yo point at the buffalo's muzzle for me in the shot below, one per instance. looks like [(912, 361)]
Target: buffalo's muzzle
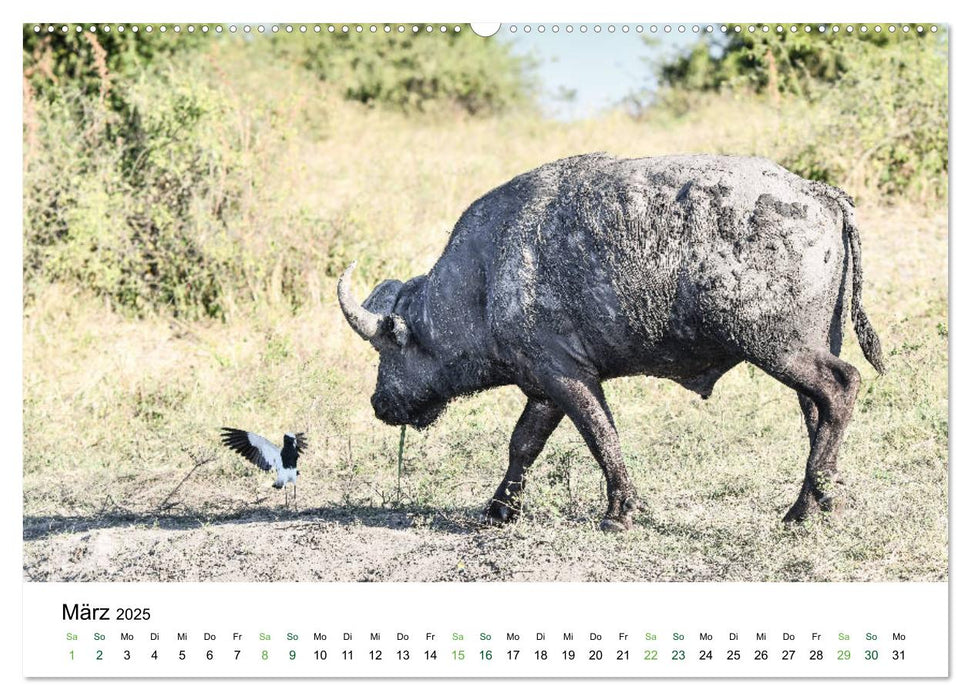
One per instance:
[(385, 410)]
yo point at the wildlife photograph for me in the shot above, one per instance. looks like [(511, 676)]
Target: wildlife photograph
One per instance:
[(450, 302)]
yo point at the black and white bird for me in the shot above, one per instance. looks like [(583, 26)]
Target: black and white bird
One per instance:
[(267, 456)]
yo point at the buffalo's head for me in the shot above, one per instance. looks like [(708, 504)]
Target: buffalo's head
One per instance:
[(411, 388)]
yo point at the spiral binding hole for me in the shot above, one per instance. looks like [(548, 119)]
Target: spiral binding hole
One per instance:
[(513, 28)]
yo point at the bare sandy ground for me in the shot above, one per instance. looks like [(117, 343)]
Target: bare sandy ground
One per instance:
[(384, 544), (328, 545)]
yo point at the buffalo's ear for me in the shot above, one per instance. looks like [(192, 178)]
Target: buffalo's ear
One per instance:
[(410, 304), (398, 330), (382, 299)]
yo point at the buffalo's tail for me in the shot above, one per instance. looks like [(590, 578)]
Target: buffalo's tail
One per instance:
[(869, 341)]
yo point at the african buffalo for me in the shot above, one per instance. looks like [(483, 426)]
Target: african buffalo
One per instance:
[(594, 267)]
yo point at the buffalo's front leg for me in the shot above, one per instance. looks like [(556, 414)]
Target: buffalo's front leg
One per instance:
[(582, 399), (536, 424)]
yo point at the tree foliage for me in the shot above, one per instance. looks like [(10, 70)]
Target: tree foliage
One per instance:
[(145, 153), (414, 70), (788, 61), (90, 61), (883, 126), (879, 100)]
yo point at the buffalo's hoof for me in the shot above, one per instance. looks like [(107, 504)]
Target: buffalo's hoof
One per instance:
[(798, 513), (500, 513), (624, 521), (830, 505), (616, 524), (795, 516)]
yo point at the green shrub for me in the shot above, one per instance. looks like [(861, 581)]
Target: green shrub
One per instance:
[(791, 61), (883, 127), (129, 199), (864, 111), (417, 70), (90, 61), (161, 178)]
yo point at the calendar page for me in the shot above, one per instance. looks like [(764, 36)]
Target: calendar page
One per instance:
[(601, 349)]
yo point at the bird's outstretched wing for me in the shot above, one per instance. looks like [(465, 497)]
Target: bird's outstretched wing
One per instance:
[(301, 442), (256, 448)]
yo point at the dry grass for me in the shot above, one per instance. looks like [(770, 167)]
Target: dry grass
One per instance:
[(118, 410)]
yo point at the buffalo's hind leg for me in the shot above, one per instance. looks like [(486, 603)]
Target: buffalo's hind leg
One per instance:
[(535, 425), (810, 414), (805, 499), (827, 388)]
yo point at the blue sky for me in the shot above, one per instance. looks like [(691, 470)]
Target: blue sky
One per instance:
[(602, 67)]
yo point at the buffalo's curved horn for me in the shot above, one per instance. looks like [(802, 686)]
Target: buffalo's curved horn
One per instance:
[(365, 323)]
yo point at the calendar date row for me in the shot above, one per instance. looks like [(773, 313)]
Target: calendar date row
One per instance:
[(459, 655)]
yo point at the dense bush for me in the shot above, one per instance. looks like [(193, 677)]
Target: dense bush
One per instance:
[(417, 70), (156, 171), (877, 102), (790, 61), (129, 200), (883, 127), (90, 62)]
